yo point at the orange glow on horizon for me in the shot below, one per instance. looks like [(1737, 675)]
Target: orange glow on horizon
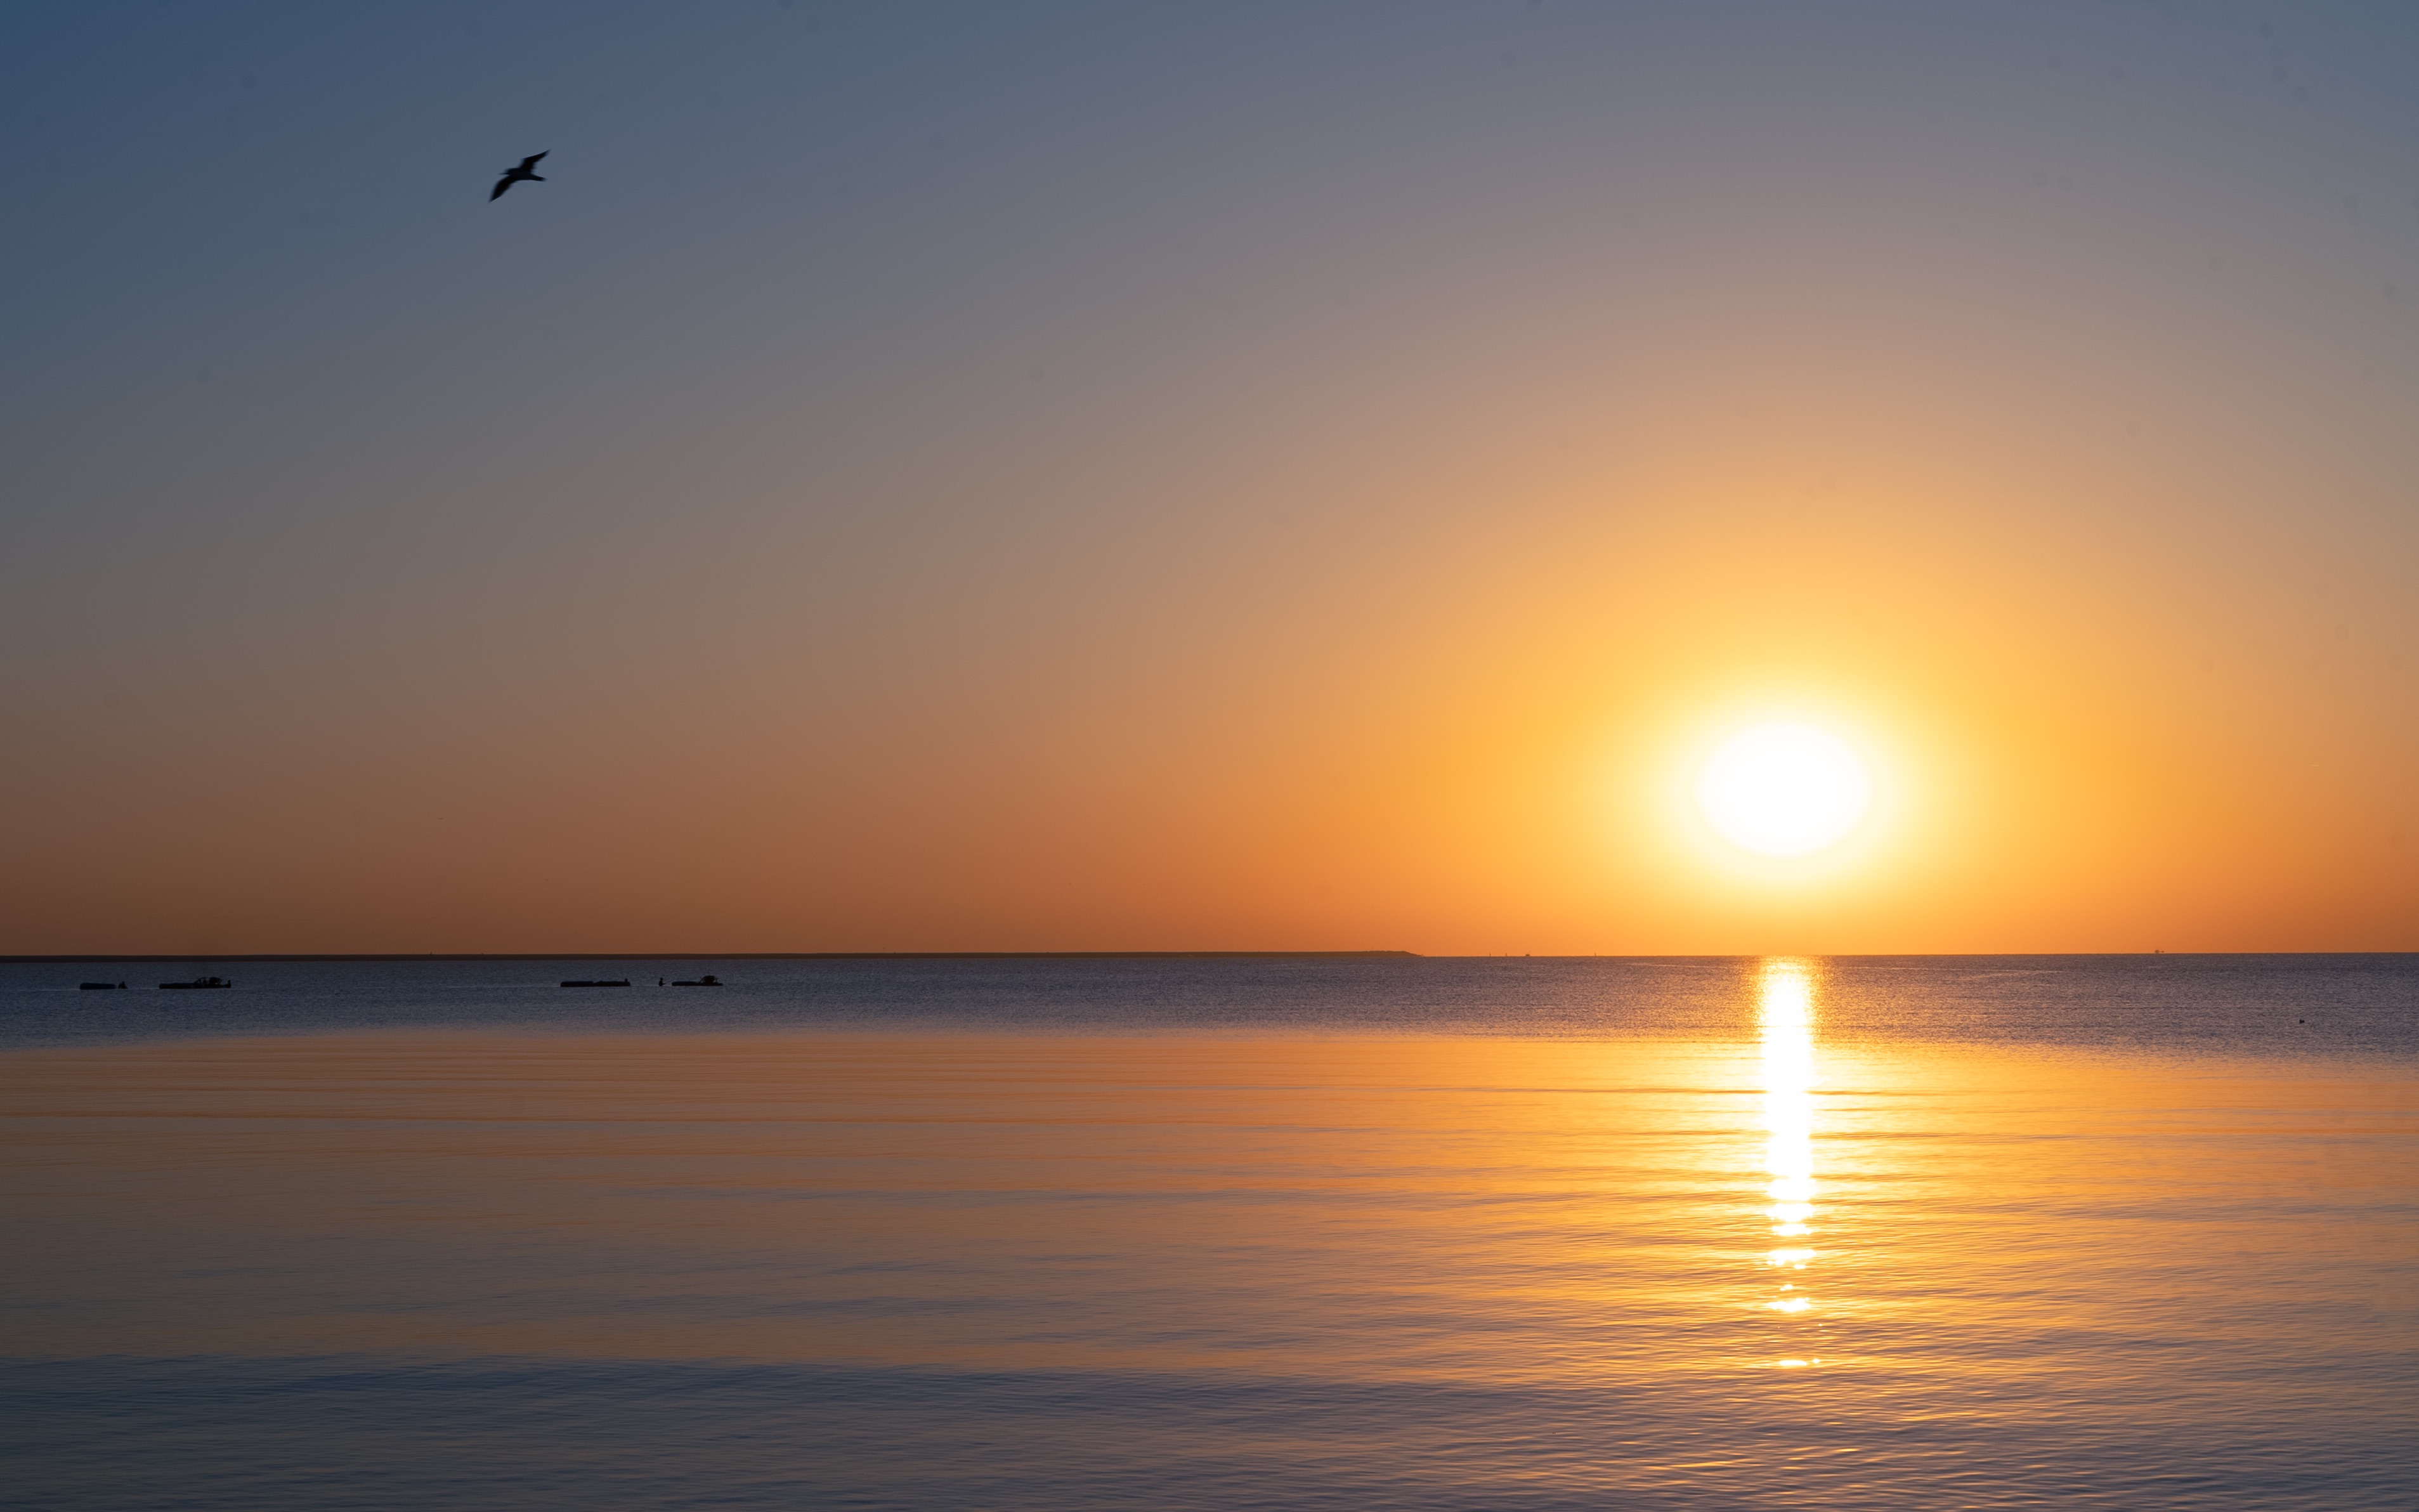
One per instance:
[(1473, 732)]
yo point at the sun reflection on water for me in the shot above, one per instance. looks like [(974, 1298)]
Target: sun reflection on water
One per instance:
[(1785, 1016)]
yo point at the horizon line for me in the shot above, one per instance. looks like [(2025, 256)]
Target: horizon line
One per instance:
[(1130, 955)]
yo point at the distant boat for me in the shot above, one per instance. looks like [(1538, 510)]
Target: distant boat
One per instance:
[(701, 982), (624, 982), (100, 986), (198, 981)]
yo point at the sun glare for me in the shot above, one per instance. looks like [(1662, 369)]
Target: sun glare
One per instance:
[(1784, 790)]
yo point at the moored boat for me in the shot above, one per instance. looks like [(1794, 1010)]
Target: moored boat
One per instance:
[(707, 980), (624, 982), (198, 981)]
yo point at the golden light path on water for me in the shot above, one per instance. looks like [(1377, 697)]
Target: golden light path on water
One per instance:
[(1785, 1016)]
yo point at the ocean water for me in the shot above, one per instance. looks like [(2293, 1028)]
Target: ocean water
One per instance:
[(1429, 1234)]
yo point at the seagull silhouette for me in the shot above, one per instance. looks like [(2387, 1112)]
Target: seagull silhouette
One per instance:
[(514, 176)]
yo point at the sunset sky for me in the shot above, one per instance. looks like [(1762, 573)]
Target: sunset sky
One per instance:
[(1222, 476)]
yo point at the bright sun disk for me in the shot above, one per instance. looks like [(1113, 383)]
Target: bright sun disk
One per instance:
[(1784, 790)]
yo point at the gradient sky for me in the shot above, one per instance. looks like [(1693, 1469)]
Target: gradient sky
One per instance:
[(1060, 476)]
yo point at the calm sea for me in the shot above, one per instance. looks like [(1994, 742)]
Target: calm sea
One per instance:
[(2074, 1232)]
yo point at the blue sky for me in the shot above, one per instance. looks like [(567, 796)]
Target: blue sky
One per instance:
[(954, 371)]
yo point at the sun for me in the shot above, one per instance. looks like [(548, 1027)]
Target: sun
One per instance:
[(1784, 790)]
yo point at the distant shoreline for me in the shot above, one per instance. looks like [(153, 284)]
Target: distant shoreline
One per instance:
[(758, 955)]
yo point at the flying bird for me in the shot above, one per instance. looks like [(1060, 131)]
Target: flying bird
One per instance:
[(514, 175)]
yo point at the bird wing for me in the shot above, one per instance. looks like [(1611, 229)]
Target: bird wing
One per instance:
[(501, 184), (531, 162)]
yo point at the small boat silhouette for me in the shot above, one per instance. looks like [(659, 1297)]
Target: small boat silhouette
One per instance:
[(708, 980), (198, 981), (99, 986), (624, 982)]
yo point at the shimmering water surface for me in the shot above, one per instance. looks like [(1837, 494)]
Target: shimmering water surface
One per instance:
[(1423, 1234)]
